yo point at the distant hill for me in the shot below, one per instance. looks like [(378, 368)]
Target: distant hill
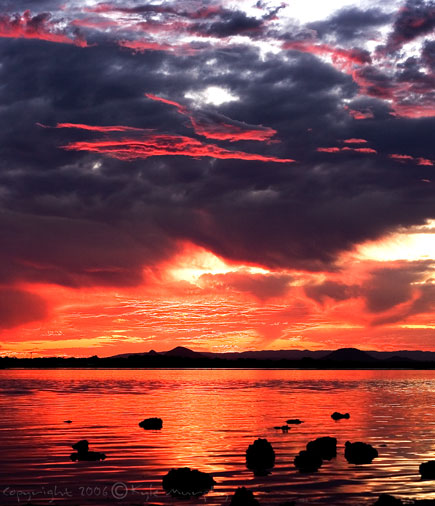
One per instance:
[(181, 351), (350, 355)]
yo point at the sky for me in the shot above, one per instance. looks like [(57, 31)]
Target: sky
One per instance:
[(222, 175)]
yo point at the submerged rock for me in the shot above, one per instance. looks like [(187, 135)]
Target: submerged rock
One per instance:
[(308, 462), (67, 421), (260, 456), (243, 497), (338, 416), (84, 454), (359, 453), (151, 424), (186, 483), (294, 421), (427, 470), (325, 447)]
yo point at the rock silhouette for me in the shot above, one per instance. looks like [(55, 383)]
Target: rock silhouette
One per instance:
[(243, 497), (338, 416), (325, 447), (83, 452), (67, 421), (151, 424), (186, 483), (388, 500), (359, 453), (260, 456), (294, 421), (427, 470), (284, 428), (308, 462)]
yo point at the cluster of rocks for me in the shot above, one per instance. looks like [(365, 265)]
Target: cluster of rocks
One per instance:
[(311, 459), (187, 483)]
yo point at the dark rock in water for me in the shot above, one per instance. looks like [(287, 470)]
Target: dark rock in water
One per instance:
[(186, 483), (294, 421), (243, 497), (339, 416), (307, 462), (427, 470), (151, 423), (84, 454), (359, 453), (260, 456), (88, 456), (82, 446), (325, 447), (388, 500), (67, 421)]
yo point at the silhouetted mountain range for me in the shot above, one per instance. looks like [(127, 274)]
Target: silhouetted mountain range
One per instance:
[(340, 355), (181, 357)]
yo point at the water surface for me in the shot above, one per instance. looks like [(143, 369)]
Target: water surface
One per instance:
[(210, 418)]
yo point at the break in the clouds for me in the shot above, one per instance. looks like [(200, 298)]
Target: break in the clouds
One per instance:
[(276, 140)]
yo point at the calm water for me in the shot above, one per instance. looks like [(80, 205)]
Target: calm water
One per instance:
[(210, 418)]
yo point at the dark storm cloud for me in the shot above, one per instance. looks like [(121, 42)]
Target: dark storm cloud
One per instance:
[(331, 290), (391, 286), (415, 19), (19, 306), (229, 23), (404, 291), (351, 23), (263, 287), (81, 219)]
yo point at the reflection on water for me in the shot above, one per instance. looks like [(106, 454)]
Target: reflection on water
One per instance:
[(210, 418)]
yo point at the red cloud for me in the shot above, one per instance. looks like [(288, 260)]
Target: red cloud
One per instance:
[(36, 27), (218, 126), (160, 145), (346, 148), (95, 128), (424, 161), (364, 150), (354, 141), (345, 59), (329, 150), (143, 45), (367, 114), (403, 158)]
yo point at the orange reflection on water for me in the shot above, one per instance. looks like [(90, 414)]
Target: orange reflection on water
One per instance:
[(210, 418)]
